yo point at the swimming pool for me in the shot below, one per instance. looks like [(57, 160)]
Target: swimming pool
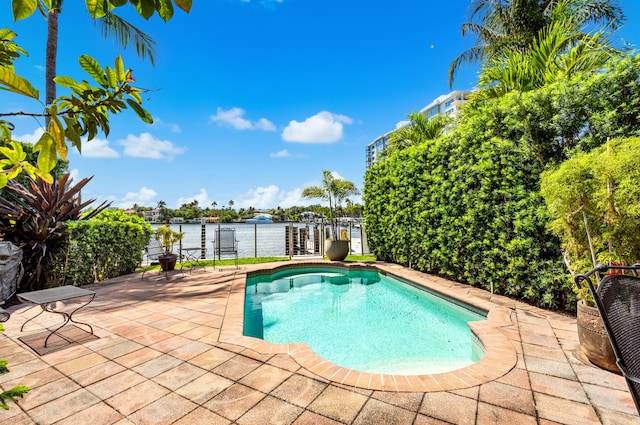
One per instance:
[(362, 319)]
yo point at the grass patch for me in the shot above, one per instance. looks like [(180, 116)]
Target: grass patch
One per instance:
[(259, 260)]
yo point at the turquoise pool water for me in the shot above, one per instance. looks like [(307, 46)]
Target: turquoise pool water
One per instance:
[(362, 320)]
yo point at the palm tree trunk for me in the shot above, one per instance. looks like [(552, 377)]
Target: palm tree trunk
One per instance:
[(51, 54)]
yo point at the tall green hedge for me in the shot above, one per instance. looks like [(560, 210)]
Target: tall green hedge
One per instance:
[(468, 205), (109, 246), (469, 210)]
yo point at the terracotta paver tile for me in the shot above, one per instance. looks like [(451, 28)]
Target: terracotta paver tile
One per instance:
[(48, 392), (449, 407), (200, 332), (265, 378), (507, 396), (169, 344), (98, 414), (204, 388), (97, 373), (284, 361), (490, 414), (550, 367), (270, 410), (409, 401), (23, 369), (166, 410), (62, 407), (612, 417), (114, 384), (338, 404), (594, 375), (299, 390), (178, 376), (120, 349), (35, 379), (544, 352), (558, 387), (190, 350), (138, 357), (237, 367), (377, 412), (132, 399), (155, 367), (202, 416), (425, 420), (565, 411), (212, 358), (609, 398), (516, 377), (235, 401)]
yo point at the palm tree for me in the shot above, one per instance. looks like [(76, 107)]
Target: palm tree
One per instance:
[(111, 26), (512, 25), (560, 50), (334, 190), (420, 129)]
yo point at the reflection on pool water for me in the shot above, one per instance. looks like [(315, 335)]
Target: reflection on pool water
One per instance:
[(362, 319)]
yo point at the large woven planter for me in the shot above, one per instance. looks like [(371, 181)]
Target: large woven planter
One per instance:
[(593, 337), (168, 262), (336, 250)]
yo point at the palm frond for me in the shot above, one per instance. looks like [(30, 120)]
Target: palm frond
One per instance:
[(112, 25)]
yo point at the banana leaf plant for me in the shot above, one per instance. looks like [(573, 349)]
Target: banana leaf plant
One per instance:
[(34, 218)]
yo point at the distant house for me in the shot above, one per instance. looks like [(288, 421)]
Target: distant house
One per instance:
[(152, 216)]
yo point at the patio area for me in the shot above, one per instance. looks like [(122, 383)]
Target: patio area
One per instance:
[(171, 352)]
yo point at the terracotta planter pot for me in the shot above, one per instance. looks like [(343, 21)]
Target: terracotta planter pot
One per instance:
[(336, 250), (168, 262), (593, 337)]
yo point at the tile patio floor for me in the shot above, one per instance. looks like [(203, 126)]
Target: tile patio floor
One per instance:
[(170, 352)]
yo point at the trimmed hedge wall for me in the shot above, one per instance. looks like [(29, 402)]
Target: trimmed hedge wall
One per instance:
[(469, 210), (99, 250)]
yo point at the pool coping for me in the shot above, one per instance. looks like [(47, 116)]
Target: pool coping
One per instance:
[(500, 355)]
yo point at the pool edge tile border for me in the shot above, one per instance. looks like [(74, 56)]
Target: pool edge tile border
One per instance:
[(499, 358)]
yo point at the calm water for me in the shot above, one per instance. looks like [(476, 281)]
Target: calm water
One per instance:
[(254, 240), (361, 320)]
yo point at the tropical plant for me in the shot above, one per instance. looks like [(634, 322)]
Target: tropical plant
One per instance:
[(559, 51), (167, 237), (87, 109), (334, 190), (504, 26), (419, 129), (35, 217), (593, 199)]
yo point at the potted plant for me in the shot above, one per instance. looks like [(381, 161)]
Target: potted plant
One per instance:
[(334, 190), (166, 236)]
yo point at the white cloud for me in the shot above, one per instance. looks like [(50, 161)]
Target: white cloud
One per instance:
[(157, 122), (260, 197), (281, 154), (30, 138), (324, 127), (98, 148), (271, 197), (147, 146), (144, 197), (202, 197), (235, 118)]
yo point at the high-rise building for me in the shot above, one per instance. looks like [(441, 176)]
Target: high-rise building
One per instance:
[(448, 104)]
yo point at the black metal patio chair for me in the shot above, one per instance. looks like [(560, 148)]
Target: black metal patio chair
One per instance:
[(225, 243), (617, 298)]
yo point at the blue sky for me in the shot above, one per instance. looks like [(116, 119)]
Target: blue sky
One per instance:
[(253, 99)]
